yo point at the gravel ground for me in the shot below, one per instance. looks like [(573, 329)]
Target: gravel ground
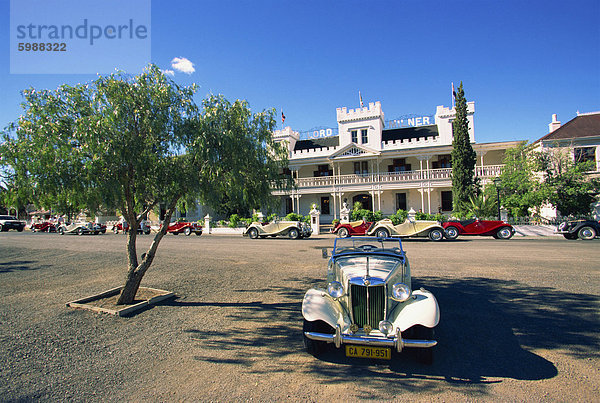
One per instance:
[(519, 321)]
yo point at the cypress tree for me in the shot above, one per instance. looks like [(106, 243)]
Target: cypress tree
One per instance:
[(463, 155)]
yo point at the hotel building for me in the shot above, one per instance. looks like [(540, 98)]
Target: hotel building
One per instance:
[(388, 165)]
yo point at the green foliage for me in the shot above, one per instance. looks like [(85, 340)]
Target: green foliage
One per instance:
[(128, 143), (520, 190), (430, 217), (335, 222), (482, 206), (399, 217), (234, 220), (271, 217), (463, 155), (357, 206), (294, 217), (567, 187), (368, 215)]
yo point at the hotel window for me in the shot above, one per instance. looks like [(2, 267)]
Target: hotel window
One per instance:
[(325, 205), (400, 201), (323, 170), (399, 165), (447, 200), (354, 136), (364, 136), (361, 168), (288, 206), (584, 154), (444, 161)]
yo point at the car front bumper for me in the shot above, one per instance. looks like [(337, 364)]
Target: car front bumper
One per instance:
[(396, 342)]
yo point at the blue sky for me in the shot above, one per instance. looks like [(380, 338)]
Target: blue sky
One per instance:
[(520, 61)]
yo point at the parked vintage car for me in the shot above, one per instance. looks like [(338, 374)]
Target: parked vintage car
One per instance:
[(409, 228), (369, 305), (79, 228), (291, 229), (497, 229), (8, 222), (184, 227), (123, 226), (45, 226), (583, 229), (353, 228)]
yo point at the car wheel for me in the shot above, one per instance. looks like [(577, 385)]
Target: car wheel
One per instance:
[(504, 233), (382, 233), (175, 233), (451, 232), (586, 233), (570, 237), (343, 233), (253, 233), (79, 231), (198, 233), (315, 347), (61, 231), (115, 230), (187, 231), (436, 234), (418, 332), (147, 231), (294, 234), (1, 229)]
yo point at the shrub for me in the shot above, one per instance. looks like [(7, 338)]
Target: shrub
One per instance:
[(234, 221), (399, 217)]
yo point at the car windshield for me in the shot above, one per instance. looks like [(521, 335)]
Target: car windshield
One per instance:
[(368, 245)]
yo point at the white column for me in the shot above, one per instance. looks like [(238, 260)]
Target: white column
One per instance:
[(334, 208), (428, 199)]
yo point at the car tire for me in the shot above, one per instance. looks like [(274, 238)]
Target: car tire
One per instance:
[(343, 232), (61, 231), (175, 233), (115, 230), (315, 347), (451, 232), (436, 235), (504, 233), (187, 231), (570, 237), (294, 233), (79, 231), (422, 355), (253, 233), (198, 233), (586, 233), (1, 229), (382, 233), (147, 231)]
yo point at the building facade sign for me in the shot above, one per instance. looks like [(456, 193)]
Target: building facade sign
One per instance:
[(413, 121), (318, 133)]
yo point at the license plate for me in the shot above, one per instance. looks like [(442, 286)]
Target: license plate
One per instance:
[(380, 353)]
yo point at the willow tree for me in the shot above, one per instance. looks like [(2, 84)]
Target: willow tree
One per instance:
[(463, 155), (131, 142)]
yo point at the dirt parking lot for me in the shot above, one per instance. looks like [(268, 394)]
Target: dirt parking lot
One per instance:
[(519, 321)]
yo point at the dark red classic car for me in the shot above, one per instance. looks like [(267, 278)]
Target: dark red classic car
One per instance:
[(184, 227), (45, 226), (496, 229), (123, 226), (354, 228)]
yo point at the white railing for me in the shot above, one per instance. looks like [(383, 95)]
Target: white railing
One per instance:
[(488, 171)]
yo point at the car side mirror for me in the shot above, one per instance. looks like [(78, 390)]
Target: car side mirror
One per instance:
[(324, 253)]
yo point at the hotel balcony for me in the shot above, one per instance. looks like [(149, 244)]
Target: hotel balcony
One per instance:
[(394, 180)]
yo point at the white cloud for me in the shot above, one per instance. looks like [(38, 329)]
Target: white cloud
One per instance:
[(168, 73), (183, 65)]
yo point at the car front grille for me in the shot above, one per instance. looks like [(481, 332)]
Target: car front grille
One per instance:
[(368, 304)]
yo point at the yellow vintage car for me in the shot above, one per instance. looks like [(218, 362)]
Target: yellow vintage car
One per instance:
[(409, 228), (291, 229)]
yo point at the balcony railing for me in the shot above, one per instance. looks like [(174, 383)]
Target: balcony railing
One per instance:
[(488, 171)]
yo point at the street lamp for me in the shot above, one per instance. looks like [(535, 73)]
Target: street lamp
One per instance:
[(497, 185)]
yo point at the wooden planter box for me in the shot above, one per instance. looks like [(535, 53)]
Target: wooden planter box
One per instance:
[(106, 301)]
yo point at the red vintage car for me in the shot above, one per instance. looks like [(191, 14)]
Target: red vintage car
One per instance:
[(45, 226), (184, 227), (354, 228), (123, 226), (497, 229)]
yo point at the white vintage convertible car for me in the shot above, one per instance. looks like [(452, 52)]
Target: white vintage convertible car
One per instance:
[(369, 306), (291, 229), (409, 228)]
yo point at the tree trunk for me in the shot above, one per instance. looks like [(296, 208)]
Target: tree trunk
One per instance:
[(136, 271)]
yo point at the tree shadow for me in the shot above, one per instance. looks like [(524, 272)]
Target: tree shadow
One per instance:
[(20, 265), (488, 330)]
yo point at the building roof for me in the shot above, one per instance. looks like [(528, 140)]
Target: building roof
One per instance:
[(406, 133), (332, 141), (585, 125)]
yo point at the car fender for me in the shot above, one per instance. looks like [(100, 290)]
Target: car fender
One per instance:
[(380, 225), (318, 305), (421, 309)]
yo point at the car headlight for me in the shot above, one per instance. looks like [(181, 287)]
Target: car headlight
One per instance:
[(386, 327), (400, 292), (335, 289)]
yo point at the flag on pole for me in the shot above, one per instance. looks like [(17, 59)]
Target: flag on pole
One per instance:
[(360, 98), (282, 117), (453, 94)]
